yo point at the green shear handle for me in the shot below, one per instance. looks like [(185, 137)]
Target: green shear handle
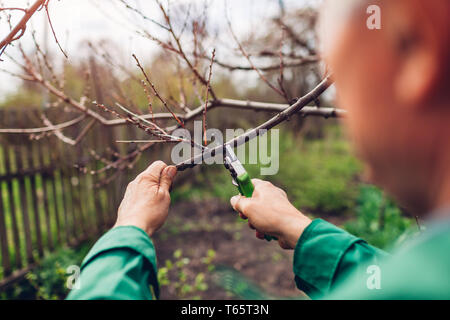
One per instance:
[(246, 189)]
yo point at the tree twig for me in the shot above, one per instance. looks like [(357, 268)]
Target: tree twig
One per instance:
[(156, 92), (205, 139)]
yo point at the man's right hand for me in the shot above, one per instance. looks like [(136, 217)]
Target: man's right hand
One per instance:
[(147, 199), (270, 212)]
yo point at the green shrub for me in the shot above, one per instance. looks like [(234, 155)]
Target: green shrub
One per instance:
[(176, 275), (48, 280), (379, 221), (319, 175)]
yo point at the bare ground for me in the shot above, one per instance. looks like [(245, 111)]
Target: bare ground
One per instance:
[(197, 227)]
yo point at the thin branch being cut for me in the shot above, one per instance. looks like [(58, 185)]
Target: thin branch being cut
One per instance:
[(279, 118)]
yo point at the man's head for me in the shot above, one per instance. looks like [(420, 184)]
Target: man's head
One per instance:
[(394, 83)]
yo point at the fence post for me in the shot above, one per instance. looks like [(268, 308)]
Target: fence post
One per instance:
[(24, 204), (34, 196), (6, 263), (44, 179)]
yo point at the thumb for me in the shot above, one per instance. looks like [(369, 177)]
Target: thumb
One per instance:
[(167, 177), (239, 203)]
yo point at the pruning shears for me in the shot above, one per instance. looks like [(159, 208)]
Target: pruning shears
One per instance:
[(240, 176)]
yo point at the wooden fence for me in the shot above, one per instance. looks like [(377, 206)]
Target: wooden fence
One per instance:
[(45, 201)]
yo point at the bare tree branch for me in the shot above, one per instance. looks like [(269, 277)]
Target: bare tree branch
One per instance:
[(279, 118), (44, 129), (20, 28)]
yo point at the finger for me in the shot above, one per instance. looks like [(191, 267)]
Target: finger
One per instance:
[(284, 245), (257, 182), (259, 235), (167, 177), (238, 203), (153, 172), (234, 201), (242, 216), (156, 166)]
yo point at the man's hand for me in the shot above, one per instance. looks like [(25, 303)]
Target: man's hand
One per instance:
[(270, 212), (147, 199)]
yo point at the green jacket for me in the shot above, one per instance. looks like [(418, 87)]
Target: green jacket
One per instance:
[(328, 263)]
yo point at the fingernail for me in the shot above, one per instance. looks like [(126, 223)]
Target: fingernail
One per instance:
[(171, 172)]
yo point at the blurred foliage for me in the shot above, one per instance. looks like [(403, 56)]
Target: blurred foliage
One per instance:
[(321, 174), (48, 280), (22, 99), (239, 286), (176, 275), (378, 220)]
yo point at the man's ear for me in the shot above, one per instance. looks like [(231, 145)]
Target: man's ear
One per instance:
[(418, 58), (418, 74)]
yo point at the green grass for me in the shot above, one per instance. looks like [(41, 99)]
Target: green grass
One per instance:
[(379, 221)]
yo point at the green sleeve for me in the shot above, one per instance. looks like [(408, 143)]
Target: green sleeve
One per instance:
[(420, 269), (121, 265), (325, 256)]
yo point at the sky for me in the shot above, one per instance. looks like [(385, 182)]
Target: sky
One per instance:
[(78, 20)]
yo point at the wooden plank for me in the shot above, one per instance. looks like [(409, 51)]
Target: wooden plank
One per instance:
[(47, 154), (12, 206), (65, 172), (77, 198), (19, 151), (44, 178), (55, 206), (25, 173), (64, 204), (52, 153), (56, 156), (99, 141), (99, 210), (35, 199), (71, 200), (6, 262), (89, 220), (111, 187), (90, 227)]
